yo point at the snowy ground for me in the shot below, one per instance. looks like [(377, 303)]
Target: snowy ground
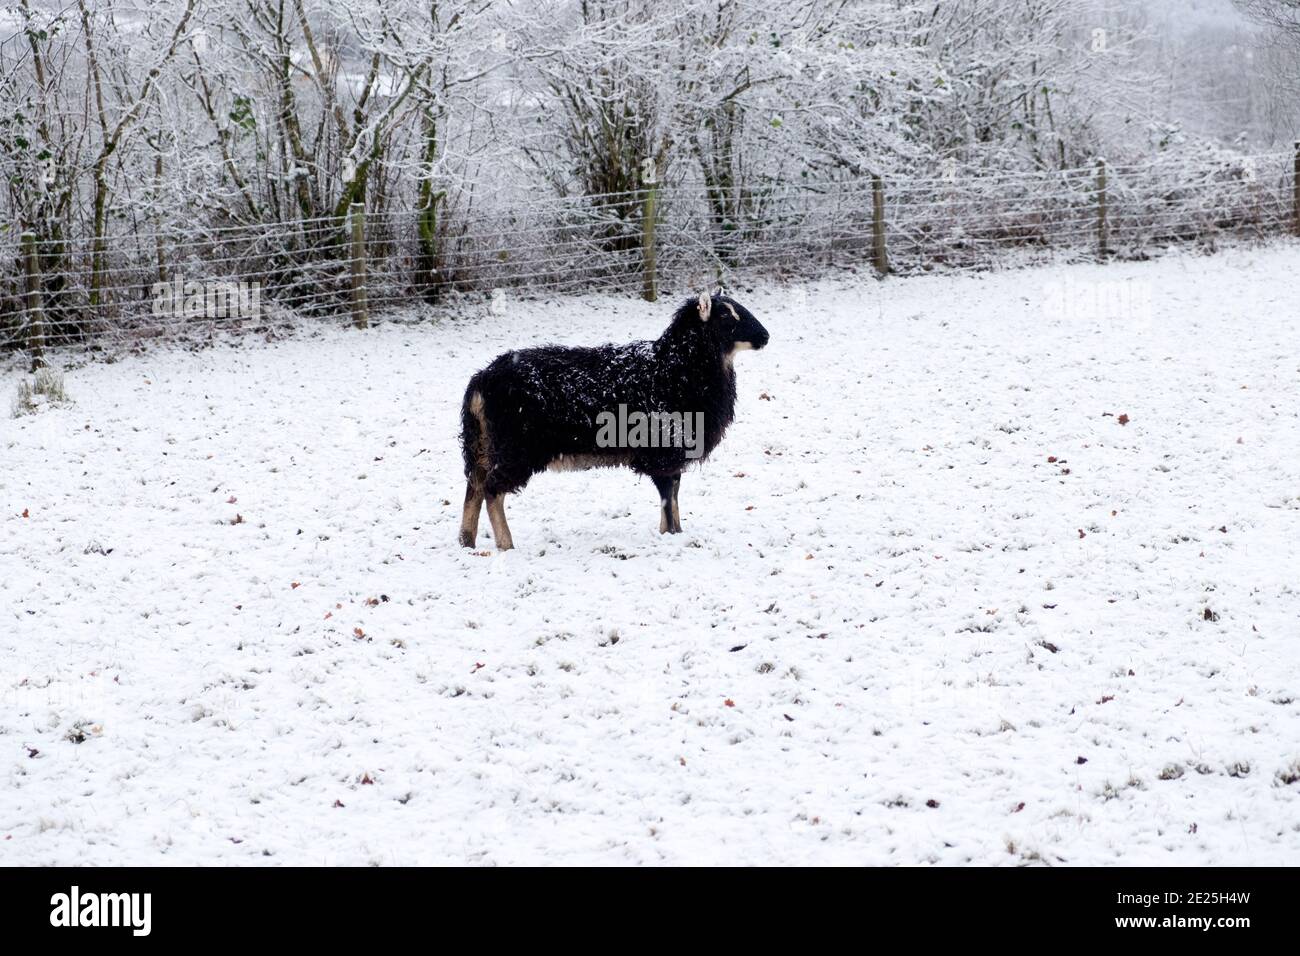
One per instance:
[(895, 630)]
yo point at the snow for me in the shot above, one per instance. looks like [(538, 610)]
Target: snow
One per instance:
[(892, 632)]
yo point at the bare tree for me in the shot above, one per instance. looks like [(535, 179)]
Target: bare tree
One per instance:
[(1283, 15), (118, 112)]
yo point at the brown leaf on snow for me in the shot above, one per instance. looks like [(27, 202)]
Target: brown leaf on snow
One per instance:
[(729, 702), (1082, 533), (358, 633), (25, 514), (1123, 419)]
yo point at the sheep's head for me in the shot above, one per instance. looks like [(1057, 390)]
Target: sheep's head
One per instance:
[(725, 320)]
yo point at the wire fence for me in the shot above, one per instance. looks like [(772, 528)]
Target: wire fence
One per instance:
[(192, 280)]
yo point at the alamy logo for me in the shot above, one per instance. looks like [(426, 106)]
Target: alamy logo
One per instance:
[(651, 430), (1113, 300), (102, 909), (207, 300)]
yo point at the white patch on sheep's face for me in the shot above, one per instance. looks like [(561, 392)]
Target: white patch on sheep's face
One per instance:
[(729, 356), (705, 305)]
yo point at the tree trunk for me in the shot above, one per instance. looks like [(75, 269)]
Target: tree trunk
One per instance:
[(427, 264), (99, 244)]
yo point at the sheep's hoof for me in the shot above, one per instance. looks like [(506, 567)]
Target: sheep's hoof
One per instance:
[(466, 539)]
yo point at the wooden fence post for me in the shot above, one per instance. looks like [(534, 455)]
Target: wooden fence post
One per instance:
[(650, 181), (35, 311), (1103, 227), (360, 308), (1295, 190), (879, 253)]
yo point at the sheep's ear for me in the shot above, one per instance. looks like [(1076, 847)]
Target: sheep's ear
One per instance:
[(705, 304)]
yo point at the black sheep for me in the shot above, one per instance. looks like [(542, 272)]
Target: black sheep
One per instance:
[(556, 408)]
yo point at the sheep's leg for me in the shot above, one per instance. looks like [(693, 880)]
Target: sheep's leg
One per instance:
[(469, 517), (496, 509), (479, 462), (665, 486), (677, 513)]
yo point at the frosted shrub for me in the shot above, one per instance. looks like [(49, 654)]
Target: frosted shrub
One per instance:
[(44, 388)]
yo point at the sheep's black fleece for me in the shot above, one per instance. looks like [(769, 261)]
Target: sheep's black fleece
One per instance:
[(542, 403)]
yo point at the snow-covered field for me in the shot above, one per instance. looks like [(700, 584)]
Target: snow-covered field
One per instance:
[(936, 602)]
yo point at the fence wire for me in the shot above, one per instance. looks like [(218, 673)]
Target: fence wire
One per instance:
[(187, 279)]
